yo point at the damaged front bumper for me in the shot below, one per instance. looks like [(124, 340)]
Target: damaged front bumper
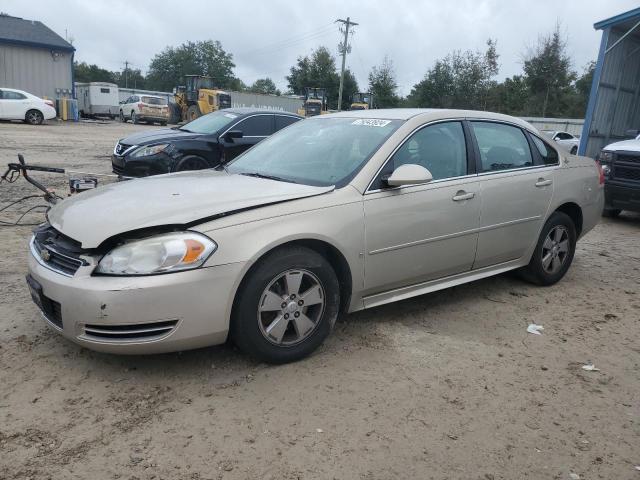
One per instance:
[(137, 315)]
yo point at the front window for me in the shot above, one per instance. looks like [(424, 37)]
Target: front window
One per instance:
[(322, 151), (210, 123)]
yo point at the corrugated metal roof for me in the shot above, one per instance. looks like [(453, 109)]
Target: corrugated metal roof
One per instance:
[(32, 33), (620, 18)]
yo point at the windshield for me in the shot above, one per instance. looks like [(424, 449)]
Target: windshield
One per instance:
[(321, 152), (210, 123), (154, 100)]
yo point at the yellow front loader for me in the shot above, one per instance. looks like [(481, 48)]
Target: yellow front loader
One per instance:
[(199, 97), (315, 102)]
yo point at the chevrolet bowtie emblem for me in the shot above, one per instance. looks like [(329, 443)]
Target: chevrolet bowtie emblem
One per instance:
[(45, 254)]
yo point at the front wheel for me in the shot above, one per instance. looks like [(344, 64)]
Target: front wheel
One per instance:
[(286, 306), (574, 150), (554, 251), (134, 117), (34, 117)]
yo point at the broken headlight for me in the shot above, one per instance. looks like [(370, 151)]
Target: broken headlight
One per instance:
[(169, 252)]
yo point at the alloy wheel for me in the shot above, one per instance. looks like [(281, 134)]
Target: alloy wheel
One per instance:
[(290, 307), (555, 249), (34, 117)]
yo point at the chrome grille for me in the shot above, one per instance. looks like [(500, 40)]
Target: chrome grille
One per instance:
[(121, 148), (55, 251)]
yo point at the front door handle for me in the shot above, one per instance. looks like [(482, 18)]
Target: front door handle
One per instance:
[(543, 183), (461, 196)]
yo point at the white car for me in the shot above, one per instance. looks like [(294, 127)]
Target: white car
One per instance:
[(20, 105), (568, 141)]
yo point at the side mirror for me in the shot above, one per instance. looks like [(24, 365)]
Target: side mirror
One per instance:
[(231, 134), (409, 174)]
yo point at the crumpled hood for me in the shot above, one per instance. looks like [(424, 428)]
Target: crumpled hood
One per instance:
[(175, 199), (157, 135), (625, 145)]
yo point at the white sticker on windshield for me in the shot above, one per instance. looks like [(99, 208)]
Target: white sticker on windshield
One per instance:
[(230, 115), (371, 122)]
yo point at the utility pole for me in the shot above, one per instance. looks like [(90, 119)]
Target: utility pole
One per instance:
[(344, 49), (126, 76)]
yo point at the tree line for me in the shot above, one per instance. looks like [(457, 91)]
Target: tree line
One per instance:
[(548, 85)]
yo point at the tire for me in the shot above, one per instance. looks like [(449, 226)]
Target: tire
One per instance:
[(574, 150), (557, 239), (611, 212), (123, 119), (134, 118), (191, 162), (34, 117), (163, 124), (193, 112), (276, 334)]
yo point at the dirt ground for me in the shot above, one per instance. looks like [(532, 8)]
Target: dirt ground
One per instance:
[(445, 386)]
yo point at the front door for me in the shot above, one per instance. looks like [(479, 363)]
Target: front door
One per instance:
[(423, 232), (516, 191)]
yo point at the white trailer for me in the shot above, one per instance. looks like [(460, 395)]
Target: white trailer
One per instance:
[(98, 99)]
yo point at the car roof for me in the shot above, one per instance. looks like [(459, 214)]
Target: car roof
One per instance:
[(427, 114), (250, 110)]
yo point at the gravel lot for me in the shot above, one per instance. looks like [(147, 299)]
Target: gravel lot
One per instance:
[(445, 386)]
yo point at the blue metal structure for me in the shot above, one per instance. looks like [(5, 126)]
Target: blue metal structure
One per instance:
[(614, 101)]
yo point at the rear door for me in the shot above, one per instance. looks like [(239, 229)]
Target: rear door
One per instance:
[(423, 232), (516, 188), (282, 121), (254, 129)]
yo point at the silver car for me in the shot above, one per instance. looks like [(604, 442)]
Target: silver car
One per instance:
[(334, 214)]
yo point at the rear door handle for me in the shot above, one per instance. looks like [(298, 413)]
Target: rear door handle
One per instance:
[(461, 196), (543, 183)]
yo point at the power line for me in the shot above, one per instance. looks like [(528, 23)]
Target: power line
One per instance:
[(288, 42)]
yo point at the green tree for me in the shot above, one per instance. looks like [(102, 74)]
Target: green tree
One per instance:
[(349, 87), (168, 68), (460, 80), (317, 70), (237, 85), (510, 96), (548, 74), (266, 86), (132, 78), (383, 85), (83, 72)]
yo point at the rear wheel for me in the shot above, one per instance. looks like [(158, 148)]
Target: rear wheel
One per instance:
[(34, 117), (611, 212), (574, 150), (193, 112), (191, 162), (286, 306), (554, 251)]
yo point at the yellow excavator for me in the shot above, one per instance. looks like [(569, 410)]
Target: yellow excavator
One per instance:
[(361, 101), (199, 96), (315, 102)]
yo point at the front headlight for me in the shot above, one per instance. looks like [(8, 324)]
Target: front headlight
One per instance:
[(169, 252), (605, 157), (149, 150)]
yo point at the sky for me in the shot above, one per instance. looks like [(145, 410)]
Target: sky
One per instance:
[(266, 37)]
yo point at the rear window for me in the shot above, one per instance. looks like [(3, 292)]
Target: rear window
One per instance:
[(153, 101), (548, 154), (284, 121)]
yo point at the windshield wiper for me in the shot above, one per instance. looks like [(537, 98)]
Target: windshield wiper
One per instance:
[(268, 177)]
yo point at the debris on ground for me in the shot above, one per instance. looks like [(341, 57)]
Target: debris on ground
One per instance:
[(590, 367), (535, 329)]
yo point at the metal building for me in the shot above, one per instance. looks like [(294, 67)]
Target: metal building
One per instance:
[(34, 58), (614, 103)]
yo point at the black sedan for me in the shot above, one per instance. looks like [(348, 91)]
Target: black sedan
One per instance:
[(206, 142)]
